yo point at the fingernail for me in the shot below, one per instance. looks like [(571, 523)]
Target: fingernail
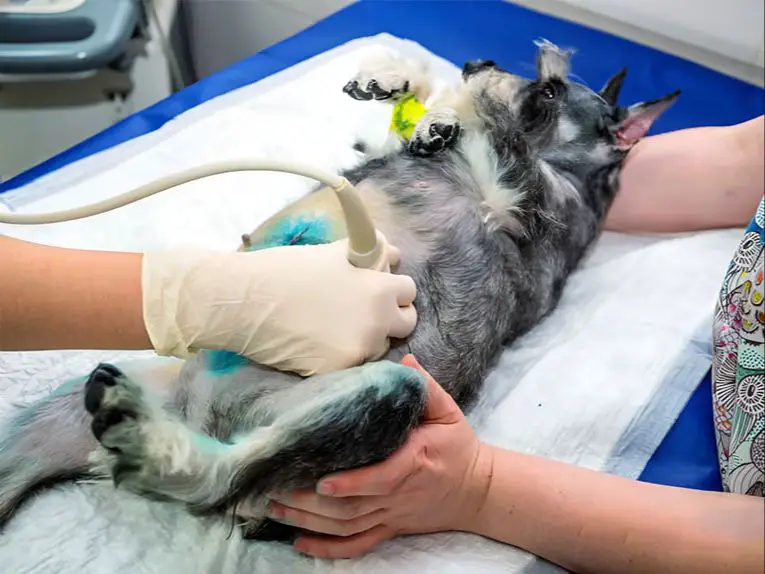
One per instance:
[(326, 488), (301, 547), (275, 511)]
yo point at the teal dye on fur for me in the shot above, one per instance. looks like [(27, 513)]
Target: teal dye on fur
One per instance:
[(207, 443), (224, 362), (29, 413), (69, 386), (288, 231), (296, 231)]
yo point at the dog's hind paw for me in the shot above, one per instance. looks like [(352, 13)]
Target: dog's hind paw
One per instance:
[(117, 408), (143, 444), (436, 131), (120, 416), (145, 448)]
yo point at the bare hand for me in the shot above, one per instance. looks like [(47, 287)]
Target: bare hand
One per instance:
[(436, 481)]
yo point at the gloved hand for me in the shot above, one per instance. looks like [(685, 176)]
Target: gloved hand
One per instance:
[(297, 308)]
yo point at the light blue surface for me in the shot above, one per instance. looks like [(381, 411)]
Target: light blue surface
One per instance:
[(87, 38)]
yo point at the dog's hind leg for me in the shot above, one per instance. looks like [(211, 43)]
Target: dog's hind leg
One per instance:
[(44, 443), (51, 440), (320, 425)]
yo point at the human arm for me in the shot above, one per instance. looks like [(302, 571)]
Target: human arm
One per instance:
[(587, 521), (693, 179), (444, 478), (55, 298), (302, 309)]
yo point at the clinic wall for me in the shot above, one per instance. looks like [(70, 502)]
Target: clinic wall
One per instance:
[(221, 33), (40, 120), (726, 36), (733, 28)]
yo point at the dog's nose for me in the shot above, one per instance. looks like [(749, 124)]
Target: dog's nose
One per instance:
[(475, 66)]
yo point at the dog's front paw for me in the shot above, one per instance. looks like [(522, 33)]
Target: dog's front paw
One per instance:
[(387, 76), (365, 88), (436, 131)]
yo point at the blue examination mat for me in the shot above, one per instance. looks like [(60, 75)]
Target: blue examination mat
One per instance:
[(463, 30)]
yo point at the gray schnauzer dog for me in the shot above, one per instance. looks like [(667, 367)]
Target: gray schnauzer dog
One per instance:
[(493, 201)]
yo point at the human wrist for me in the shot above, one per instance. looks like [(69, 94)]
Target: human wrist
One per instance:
[(475, 491), (170, 285)]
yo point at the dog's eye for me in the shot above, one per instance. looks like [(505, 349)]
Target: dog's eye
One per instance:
[(548, 92)]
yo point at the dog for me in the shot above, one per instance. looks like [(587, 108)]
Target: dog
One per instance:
[(493, 201)]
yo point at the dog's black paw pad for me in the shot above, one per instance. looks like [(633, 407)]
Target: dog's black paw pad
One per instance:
[(373, 90), (438, 137), (423, 148), (102, 376), (108, 368), (448, 132), (105, 419), (353, 90), (377, 92)]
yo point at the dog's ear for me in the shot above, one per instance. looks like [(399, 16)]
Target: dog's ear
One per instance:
[(552, 62), (610, 92), (636, 120), (475, 66)]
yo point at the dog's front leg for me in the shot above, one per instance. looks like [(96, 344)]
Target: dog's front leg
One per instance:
[(438, 130), (389, 76)]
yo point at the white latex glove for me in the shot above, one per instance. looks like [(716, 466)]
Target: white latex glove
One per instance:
[(297, 308)]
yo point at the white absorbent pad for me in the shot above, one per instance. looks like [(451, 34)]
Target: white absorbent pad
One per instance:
[(597, 384)]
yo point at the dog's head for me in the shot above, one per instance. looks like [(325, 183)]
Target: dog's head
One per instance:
[(568, 128)]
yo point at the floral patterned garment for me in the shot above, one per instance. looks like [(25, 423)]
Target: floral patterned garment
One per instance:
[(738, 369)]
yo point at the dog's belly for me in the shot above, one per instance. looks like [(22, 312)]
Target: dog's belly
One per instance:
[(317, 218), (312, 220)]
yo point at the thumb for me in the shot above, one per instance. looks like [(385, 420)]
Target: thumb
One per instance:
[(394, 254), (440, 407)]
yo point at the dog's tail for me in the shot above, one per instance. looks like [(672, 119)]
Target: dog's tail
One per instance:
[(43, 444)]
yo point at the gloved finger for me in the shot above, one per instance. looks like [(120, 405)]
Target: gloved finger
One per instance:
[(394, 255), (406, 290), (403, 322)]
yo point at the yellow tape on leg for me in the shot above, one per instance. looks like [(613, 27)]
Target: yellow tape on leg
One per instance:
[(406, 113)]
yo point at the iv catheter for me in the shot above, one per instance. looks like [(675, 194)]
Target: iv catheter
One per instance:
[(366, 246)]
